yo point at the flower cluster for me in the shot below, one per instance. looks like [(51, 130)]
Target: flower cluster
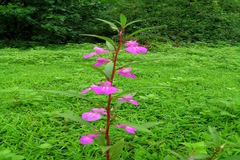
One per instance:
[(107, 89)]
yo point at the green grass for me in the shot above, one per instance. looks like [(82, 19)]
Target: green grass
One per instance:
[(194, 88)]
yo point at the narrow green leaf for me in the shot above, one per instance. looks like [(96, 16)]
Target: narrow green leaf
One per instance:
[(201, 156), (177, 154), (101, 37), (215, 136), (232, 158), (72, 117), (142, 30), (117, 22), (151, 124), (198, 147), (108, 69), (116, 148), (96, 68), (110, 46), (45, 146), (119, 103), (123, 20), (105, 148), (168, 157), (225, 113), (130, 23), (72, 94), (112, 25)]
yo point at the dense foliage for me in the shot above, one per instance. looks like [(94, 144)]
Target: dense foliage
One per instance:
[(61, 21)]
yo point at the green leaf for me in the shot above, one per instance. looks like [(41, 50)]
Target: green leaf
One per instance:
[(110, 46), (112, 25), (72, 94), (71, 116), (142, 30), (123, 20), (215, 136), (232, 158), (95, 68), (45, 146), (119, 103), (168, 157), (117, 22), (108, 69), (177, 154), (101, 37), (105, 148), (151, 124), (225, 113), (201, 156), (116, 148), (130, 23), (199, 147)]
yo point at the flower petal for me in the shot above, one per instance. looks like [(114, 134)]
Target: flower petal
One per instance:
[(101, 61), (109, 90), (130, 129), (143, 50), (97, 89), (120, 126), (100, 50), (134, 102), (132, 50), (99, 110), (89, 55), (93, 135), (86, 140), (85, 90), (91, 116)]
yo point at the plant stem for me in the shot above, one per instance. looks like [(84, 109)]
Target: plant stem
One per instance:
[(109, 97), (215, 152)]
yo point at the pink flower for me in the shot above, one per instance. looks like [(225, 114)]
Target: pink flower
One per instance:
[(128, 99), (88, 139), (127, 128), (94, 114), (131, 43), (126, 72), (100, 50), (97, 51), (105, 88), (101, 61), (86, 90), (132, 47)]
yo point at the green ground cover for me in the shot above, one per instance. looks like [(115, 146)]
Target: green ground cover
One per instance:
[(193, 88)]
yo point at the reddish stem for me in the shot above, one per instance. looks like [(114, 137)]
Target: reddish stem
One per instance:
[(215, 152), (109, 97)]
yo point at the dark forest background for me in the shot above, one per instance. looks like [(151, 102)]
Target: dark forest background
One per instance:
[(62, 21)]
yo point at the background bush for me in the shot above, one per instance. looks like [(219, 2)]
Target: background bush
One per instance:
[(61, 21)]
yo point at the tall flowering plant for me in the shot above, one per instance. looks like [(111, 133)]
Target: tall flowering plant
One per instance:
[(110, 147)]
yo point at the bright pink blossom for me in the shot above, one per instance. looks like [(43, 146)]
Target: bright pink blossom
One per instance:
[(88, 139), (100, 50), (132, 47), (105, 88), (97, 51), (126, 72), (94, 114), (127, 128), (101, 61), (128, 99)]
